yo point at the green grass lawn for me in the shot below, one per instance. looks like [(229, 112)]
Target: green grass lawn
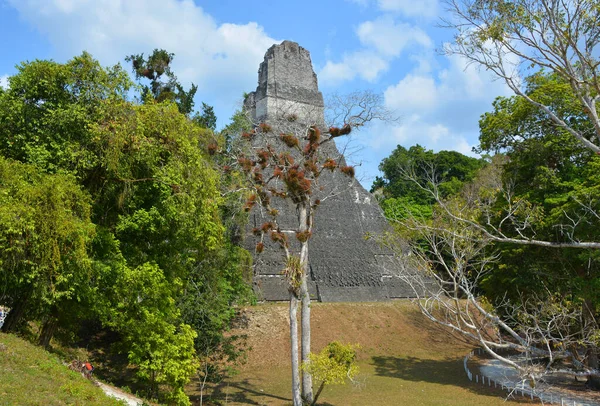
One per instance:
[(383, 381), (31, 376), (404, 359)]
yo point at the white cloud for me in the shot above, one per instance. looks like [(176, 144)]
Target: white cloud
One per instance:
[(390, 38), (4, 82), (215, 56), (458, 94), (384, 40), (367, 65), (412, 93), (439, 111), (411, 8), (414, 129)]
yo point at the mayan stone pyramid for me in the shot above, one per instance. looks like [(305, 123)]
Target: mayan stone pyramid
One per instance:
[(344, 264)]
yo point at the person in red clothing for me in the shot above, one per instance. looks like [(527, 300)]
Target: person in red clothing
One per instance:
[(88, 369)]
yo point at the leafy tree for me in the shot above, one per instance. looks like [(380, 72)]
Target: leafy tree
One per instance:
[(160, 345), (333, 365), (548, 168), (45, 232), (48, 109), (513, 38), (398, 208), (447, 169), (214, 286), (153, 68), (207, 118), (157, 189), (161, 199), (153, 196), (524, 233)]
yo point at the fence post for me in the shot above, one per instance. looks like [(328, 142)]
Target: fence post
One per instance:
[(476, 378)]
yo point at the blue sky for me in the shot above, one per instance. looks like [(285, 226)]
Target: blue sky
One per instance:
[(388, 46)]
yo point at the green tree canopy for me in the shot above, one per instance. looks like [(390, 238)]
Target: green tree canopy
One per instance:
[(554, 174), (47, 111), (523, 235), (449, 170), (45, 233), (155, 68), (136, 195)]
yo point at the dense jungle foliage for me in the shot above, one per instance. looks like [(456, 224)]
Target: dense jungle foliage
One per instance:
[(533, 208), (112, 218)]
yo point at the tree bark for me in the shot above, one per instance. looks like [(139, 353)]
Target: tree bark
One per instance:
[(593, 382), (48, 329), (307, 386), (294, 344), (14, 316), (318, 393)]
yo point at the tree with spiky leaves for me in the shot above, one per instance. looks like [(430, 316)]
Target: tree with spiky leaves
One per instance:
[(287, 166)]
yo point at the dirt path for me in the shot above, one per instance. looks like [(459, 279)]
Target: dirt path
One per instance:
[(119, 394)]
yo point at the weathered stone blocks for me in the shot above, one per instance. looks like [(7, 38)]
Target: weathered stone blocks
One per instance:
[(344, 264)]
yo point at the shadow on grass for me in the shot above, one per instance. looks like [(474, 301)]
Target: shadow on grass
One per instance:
[(242, 392), (443, 372), (436, 334)]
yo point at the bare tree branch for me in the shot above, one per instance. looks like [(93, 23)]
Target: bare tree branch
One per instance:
[(510, 38), (357, 109)]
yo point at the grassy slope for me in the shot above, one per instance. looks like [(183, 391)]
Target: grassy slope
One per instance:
[(31, 376), (404, 359)]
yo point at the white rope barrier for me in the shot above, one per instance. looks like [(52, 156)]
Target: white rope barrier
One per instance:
[(546, 398)]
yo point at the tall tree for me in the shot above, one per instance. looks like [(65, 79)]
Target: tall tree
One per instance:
[(45, 234), (154, 199), (288, 166), (155, 68), (284, 165), (452, 170), (524, 233), (512, 37)]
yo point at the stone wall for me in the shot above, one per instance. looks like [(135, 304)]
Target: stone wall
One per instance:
[(344, 264), (287, 85)]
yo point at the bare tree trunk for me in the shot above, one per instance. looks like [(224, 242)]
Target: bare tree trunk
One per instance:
[(16, 313), (593, 381), (294, 343), (307, 386), (318, 393), (48, 329)]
